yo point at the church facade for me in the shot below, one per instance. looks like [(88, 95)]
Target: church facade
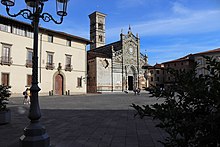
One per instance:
[(116, 66)]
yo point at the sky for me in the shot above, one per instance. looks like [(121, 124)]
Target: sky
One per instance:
[(168, 29)]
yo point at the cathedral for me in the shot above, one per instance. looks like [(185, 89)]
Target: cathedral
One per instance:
[(117, 66)]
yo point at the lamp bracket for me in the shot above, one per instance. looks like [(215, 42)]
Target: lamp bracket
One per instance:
[(28, 14), (47, 17)]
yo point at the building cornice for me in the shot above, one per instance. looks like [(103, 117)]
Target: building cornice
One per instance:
[(45, 30)]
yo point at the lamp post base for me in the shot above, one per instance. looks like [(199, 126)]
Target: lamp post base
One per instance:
[(35, 135)]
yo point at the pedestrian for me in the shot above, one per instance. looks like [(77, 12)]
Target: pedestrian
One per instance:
[(27, 95), (138, 91), (135, 91)]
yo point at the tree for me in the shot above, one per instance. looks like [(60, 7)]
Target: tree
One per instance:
[(190, 113)]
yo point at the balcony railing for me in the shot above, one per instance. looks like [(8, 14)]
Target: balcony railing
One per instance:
[(50, 66), (28, 63), (68, 67), (6, 60)]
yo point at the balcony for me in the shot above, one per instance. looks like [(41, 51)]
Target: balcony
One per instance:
[(5, 60), (68, 67), (50, 66), (28, 63)]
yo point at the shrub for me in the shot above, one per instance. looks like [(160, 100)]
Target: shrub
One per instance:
[(190, 113), (5, 93)]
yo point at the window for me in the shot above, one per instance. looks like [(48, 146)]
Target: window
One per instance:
[(158, 72), (68, 66), (50, 58), (79, 82), (29, 58), (50, 38), (5, 79), (29, 80), (19, 30), (29, 33), (68, 42), (5, 58), (199, 71), (6, 28), (50, 64), (100, 26), (199, 61), (100, 38)]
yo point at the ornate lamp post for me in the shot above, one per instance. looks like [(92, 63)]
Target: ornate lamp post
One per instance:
[(35, 134)]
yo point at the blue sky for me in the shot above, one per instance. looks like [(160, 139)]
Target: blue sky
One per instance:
[(168, 29)]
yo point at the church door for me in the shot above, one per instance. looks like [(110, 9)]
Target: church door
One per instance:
[(58, 84), (130, 82)]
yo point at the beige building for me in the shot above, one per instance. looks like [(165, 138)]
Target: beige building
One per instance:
[(202, 61), (61, 59), (156, 75), (116, 66), (183, 64)]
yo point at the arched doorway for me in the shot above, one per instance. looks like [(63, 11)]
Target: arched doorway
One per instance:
[(131, 78), (59, 84)]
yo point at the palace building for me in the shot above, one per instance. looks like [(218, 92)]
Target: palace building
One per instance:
[(116, 66), (61, 59)]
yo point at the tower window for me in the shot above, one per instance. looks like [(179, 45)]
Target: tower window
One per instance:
[(100, 26), (100, 38)]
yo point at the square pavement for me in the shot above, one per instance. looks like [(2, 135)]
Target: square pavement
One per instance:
[(103, 120)]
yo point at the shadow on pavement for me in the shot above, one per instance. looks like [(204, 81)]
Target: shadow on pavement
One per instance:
[(81, 128)]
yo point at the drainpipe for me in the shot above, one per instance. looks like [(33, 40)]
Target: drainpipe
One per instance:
[(138, 54), (86, 70), (112, 66), (40, 56)]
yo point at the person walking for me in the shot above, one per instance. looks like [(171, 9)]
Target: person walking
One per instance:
[(27, 94)]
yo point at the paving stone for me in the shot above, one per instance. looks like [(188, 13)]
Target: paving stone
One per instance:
[(109, 122)]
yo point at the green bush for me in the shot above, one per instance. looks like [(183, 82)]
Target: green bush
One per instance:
[(5, 93), (190, 113)]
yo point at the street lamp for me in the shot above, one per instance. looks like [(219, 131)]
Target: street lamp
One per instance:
[(35, 134)]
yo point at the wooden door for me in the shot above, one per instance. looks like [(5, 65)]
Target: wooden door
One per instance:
[(59, 85)]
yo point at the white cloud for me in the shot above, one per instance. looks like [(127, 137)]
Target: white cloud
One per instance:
[(179, 8), (194, 23)]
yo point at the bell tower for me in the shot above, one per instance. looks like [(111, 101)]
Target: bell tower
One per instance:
[(97, 29)]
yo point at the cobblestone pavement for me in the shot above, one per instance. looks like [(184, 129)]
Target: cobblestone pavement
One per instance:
[(100, 120)]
